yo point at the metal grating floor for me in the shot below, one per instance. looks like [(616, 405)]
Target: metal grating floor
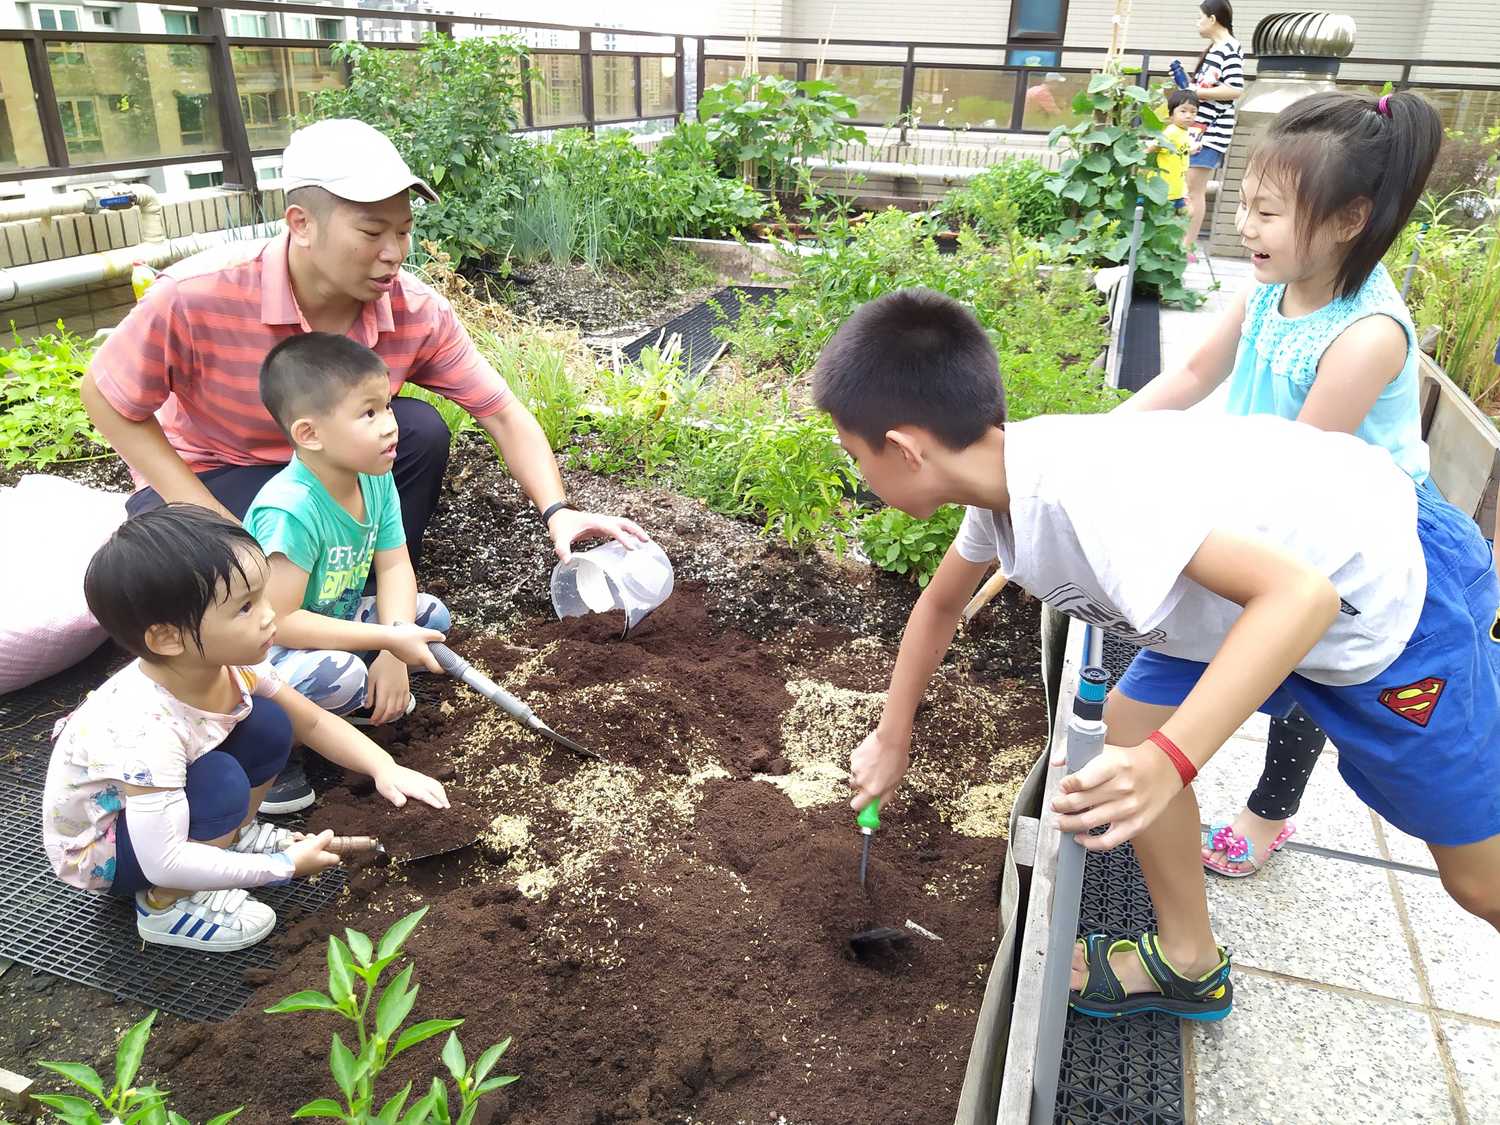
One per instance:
[(47, 925), (1119, 1071), (700, 347)]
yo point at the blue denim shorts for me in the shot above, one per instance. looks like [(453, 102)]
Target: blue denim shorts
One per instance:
[(1420, 743), (1206, 157)]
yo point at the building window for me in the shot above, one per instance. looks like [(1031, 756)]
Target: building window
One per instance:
[(181, 23), (49, 18), (80, 122), (330, 29), (249, 25), (65, 54), (102, 17), (1038, 19), (190, 118), (259, 110), (205, 179)]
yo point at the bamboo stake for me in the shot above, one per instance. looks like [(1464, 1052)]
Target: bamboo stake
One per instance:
[(992, 586)]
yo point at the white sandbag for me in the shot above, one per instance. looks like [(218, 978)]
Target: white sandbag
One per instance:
[(52, 528)]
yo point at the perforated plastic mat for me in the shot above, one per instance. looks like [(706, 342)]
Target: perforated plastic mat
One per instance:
[(700, 347), (47, 925), (1126, 1071)]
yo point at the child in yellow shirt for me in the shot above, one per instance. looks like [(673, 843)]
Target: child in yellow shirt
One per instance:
[(1178, 145)]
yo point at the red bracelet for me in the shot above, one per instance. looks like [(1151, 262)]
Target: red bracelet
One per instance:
[(1185, 768)]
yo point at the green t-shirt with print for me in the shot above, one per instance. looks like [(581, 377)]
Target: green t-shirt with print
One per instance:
[(294, 515)]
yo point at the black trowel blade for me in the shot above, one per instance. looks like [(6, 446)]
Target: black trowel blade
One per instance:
[(878, 940)]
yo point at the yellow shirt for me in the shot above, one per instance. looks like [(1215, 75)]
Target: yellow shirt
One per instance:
[(1172, 160)]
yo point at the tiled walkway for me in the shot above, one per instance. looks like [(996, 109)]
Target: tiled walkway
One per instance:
[(1363, 993)]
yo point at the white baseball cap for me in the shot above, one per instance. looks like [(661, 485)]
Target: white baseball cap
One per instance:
[(350, 159)]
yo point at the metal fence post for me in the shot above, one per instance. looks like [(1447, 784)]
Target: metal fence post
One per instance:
[(908, 89), (239, 166), (528, 114), (53, 137), (702, 68), (638, 109), (679, 78), (586, 73)]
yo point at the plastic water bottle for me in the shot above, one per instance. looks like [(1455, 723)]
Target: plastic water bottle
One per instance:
[(141, 277), (1179, 75)]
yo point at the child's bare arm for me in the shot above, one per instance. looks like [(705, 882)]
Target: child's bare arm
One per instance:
[(880, 760), (1208, 366), (302, 628), (1288, 606), (1353, 372), (345, 745)]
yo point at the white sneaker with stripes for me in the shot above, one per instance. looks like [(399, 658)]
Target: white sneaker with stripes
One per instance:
[(212, 921)]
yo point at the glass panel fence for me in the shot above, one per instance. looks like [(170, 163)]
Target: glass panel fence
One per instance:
[(556, 89), (21, 144), (658, 86), (876, 89), (1049, 99), (614, 87), (956, 98), (719, 71), (277, 84)]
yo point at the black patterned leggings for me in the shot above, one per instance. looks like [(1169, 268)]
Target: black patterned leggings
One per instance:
[(1292, 749)]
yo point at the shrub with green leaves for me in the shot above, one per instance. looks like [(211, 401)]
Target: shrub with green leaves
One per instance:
[(355, 967), (895, 541), (122, 1101), (772, 124), (1012, 195), (42, 419), (1108, 170)]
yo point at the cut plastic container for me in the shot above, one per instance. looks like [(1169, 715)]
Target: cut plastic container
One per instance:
[(611, 577)]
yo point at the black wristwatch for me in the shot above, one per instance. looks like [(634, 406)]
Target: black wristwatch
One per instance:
[(552, 509)]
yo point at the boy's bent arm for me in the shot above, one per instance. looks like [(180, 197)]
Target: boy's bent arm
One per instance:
[(1208, 366), (302, 628), (879, 762), (395, 586), (1288, 606), (345, 745)]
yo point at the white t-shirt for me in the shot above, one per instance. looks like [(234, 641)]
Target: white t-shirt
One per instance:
[(1107, 510)]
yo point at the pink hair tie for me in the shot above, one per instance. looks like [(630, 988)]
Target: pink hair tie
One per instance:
[(1383, 107)]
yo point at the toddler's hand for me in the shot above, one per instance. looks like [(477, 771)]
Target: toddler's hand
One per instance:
[(397, 783), (1124, 787), (408, 644), (876, 767), (310, 854), (388, 687)]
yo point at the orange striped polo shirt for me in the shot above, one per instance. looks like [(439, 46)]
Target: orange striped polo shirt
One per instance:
[(190, 352)]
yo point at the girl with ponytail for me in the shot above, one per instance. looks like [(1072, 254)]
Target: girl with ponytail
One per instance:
[(1322, 337)]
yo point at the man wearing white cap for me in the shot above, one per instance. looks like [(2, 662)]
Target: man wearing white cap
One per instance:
[(175, 388)]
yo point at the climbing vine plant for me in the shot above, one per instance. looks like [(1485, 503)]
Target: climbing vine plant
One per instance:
[(1107, 170)]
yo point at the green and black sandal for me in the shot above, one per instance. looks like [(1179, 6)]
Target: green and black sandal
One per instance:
[(1209, 997)]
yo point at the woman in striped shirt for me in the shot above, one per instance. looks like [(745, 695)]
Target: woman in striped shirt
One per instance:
[(1219, 81)]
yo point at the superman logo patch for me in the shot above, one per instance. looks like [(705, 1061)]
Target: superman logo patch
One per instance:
[(1415, 702)]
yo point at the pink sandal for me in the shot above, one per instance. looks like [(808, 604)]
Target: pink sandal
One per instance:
[(1236, 848)]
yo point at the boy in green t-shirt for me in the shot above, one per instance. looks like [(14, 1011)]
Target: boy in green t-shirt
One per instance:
[(323, 522)]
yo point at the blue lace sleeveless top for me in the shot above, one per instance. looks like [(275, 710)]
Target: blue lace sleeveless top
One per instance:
[(1278, 360)]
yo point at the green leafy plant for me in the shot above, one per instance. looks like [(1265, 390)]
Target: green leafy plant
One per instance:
[(771, 125), (539, 374), (455, 417), (897, 542), (791, 467), (355, 966), (1013, 195), (706, 204), (122, 1103), (1107, 171), (42, 419)]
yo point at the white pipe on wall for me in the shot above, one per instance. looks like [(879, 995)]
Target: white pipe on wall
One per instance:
[(69, 203), (40, 278)]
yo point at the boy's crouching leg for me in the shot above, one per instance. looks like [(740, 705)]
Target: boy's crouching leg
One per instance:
[(433, 614), (1471, 874)]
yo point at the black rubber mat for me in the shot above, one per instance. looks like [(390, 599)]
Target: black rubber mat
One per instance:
[(1140, 350), (1126, 1071), (700, 346), (47, 925)]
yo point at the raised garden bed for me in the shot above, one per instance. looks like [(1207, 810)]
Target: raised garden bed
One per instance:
[(665, 934)]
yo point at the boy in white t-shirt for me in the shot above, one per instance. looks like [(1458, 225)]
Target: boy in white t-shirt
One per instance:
[(1290, 564), (155, 777)]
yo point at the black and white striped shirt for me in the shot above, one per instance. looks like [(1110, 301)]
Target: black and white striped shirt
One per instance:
[(1224, 66)]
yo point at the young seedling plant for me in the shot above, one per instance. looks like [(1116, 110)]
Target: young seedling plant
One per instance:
[(124, 1103), (355, 966)]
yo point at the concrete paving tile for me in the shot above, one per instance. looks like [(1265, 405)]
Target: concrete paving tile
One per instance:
[(1331, 816), (1475, 1048), (1406, 849), (1326, 920), (1460, 953), (1289, 1054)]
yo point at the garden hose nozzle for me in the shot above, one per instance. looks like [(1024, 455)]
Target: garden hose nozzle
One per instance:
[(868, 820)]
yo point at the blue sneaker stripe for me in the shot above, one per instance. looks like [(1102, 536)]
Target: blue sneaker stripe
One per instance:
[(211, 931), (198, 925), (142, 911), (182, 921)]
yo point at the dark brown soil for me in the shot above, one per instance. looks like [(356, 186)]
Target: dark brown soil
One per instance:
[(665, 934)]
